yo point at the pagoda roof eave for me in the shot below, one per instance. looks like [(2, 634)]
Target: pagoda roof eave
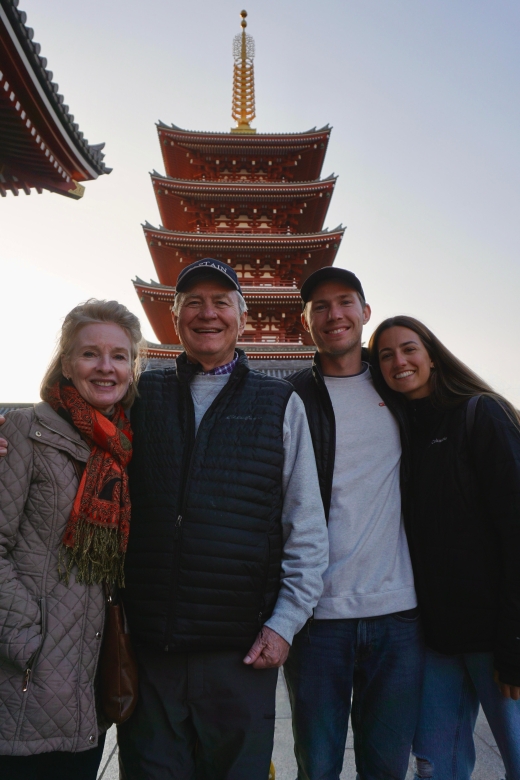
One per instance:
[(306, 134), (267, 292), (244, 239), (253, 351), (249, 187), (46, 101)]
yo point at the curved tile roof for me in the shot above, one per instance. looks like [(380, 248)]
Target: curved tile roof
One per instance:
[(25, 35)]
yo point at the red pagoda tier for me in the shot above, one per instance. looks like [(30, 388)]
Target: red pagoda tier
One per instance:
[(41, 146), (255, 201)]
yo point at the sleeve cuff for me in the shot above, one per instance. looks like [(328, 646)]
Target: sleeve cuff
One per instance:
[(288, 618)]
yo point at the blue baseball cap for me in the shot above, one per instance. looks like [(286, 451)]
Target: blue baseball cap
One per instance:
[(206, 268)]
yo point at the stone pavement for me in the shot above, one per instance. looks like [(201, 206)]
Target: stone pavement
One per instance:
[(489, 765)]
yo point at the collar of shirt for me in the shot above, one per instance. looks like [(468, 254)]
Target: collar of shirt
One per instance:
[(225, 369)]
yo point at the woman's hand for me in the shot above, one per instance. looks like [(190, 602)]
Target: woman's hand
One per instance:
[(3, 443), (508, 691)]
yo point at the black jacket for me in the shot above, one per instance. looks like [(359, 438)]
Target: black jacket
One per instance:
[(464, 530), (204, 556), (310, 386)]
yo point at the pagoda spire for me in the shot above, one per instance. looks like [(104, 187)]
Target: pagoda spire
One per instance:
[(243, 106)]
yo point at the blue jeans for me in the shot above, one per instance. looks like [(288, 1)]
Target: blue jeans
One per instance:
[(378, 660), (454, 686)]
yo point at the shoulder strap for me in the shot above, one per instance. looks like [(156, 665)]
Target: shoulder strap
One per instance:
[(471, 409)]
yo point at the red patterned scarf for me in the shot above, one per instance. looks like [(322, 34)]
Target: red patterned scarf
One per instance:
[(96, 536)]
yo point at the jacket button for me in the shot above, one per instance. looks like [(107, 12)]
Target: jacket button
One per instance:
[(92, 739), (37, 433), (98, 635)]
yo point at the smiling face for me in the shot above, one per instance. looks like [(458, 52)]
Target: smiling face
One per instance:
[(209, 323), (405, 363), (335, 317), (100, 365)]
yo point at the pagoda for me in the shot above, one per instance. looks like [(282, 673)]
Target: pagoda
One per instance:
[(41, 146), (253, 200)]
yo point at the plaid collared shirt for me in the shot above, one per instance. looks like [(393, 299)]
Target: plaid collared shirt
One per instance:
[(225, 369)]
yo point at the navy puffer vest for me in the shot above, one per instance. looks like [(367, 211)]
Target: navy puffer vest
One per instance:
[(204, 557)]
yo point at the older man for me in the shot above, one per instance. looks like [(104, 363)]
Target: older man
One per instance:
[(227, 547)]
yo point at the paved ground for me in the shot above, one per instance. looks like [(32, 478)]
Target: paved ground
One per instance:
[(489, 765)]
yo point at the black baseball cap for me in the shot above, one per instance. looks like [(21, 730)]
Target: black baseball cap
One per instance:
[(324, 275), (206, 268)]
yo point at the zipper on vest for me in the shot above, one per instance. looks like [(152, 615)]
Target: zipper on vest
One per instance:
[(189, 453), (177, 530)]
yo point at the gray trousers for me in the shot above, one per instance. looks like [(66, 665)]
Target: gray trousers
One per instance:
[(200, 716)]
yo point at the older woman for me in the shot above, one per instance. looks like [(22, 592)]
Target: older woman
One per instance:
[(64, 520), (463, 523)]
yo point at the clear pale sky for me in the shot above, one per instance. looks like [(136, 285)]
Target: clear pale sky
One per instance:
[(423, 99)]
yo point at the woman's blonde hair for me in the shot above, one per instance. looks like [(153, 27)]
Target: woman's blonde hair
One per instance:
[(452, 382), (93, 311)]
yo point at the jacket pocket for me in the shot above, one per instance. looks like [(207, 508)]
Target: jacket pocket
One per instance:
[(31, 664)]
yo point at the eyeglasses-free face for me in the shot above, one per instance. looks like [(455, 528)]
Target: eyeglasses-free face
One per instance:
[(405, 363), (100, 364)]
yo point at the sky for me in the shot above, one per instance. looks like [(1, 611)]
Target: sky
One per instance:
[(423, 99)]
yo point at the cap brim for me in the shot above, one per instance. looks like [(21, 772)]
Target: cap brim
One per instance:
[(326, 274), (205, 272)]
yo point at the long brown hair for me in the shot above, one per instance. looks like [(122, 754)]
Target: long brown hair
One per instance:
[(452, 382), (93, 311)]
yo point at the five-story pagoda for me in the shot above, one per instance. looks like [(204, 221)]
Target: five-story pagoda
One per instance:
[(253, 200)]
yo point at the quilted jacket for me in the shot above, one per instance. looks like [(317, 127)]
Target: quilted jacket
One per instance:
[(50, 632)]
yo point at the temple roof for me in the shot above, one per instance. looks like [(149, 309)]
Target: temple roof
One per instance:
[(208, 133), (40, 143), (251, 294), (302, 253), (253, 352), (198, 204), (307, 149), (253, 240), (252, 188)]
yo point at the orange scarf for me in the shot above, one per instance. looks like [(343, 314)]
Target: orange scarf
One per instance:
[(96, 536)]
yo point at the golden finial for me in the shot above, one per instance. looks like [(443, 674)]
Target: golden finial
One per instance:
[(243, 106)]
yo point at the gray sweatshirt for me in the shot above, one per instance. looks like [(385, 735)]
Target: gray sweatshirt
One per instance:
[(305, 541), (369, 571)]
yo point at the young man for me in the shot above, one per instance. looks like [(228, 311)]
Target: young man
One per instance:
[(363, 644)]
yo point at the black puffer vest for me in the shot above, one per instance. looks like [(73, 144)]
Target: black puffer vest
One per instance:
[(203, 561)]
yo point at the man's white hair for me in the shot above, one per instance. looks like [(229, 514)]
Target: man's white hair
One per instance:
[(180, 297)]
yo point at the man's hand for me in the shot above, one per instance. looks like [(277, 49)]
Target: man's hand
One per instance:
[(269, 650), (508, 691), (3, 443)]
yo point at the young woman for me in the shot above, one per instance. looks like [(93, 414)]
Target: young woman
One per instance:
[(462, 506), (64, 515)]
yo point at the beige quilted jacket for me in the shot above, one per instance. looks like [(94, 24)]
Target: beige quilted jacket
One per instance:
[(50, 628)]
